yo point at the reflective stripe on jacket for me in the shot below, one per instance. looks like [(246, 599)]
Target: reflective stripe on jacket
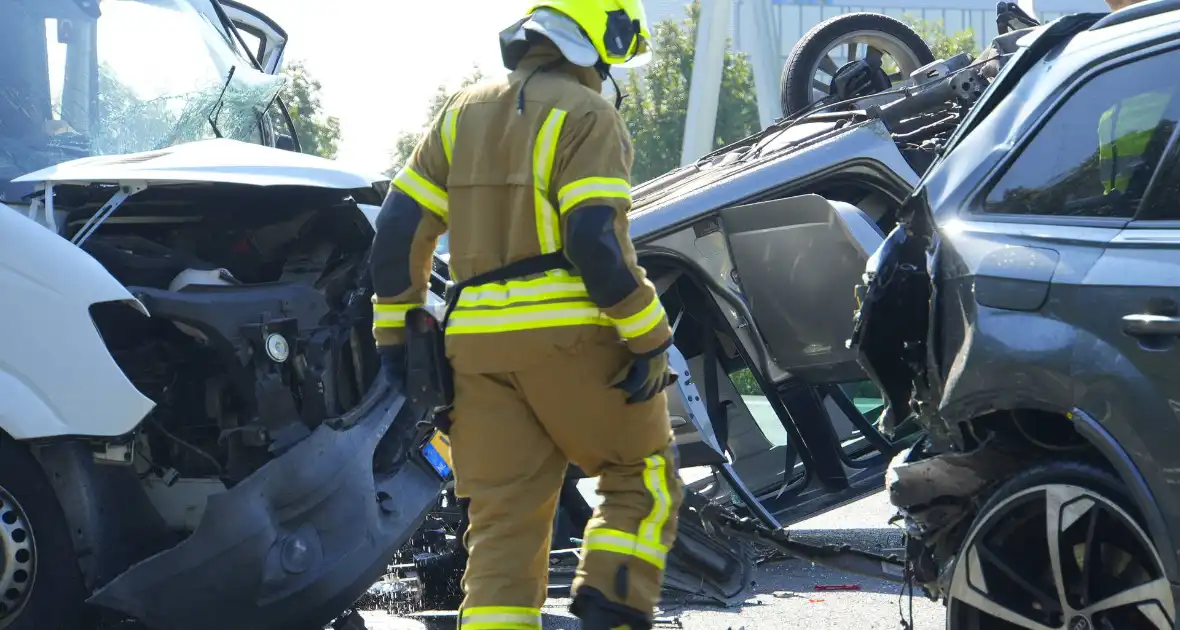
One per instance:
[(503, 181), (1124, 132)]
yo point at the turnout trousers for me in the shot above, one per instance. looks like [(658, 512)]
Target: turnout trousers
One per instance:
[(512, 438)]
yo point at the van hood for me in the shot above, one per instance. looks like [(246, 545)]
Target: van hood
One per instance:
[(208, 161)]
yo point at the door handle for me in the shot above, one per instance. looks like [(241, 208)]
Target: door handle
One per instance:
[(1144, 324)]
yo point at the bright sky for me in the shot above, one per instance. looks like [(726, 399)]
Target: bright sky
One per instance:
[(381, 60)]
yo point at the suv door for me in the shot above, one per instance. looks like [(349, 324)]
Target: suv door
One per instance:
[(1135, 286), (264, 38)]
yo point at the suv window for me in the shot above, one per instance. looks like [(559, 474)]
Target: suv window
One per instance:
[(1097, 152)]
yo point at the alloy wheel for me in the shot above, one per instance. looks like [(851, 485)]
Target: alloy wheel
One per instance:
[(18, 558), (896, 58), (1056, 557)]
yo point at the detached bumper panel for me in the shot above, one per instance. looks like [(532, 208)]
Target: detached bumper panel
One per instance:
[(296, 542)]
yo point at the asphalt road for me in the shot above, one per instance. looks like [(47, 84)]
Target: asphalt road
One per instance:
[(784, 595)]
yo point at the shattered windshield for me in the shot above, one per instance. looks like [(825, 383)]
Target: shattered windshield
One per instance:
[(127, 76)]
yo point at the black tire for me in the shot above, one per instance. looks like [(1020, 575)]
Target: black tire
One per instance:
[(1071, 473), (795, 84), (56, 599)]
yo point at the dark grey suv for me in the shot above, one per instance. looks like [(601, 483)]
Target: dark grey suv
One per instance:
[(1026, 314)]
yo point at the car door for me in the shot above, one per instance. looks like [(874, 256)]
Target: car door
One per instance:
[(1136, 287), (264, 38), (796, 261)]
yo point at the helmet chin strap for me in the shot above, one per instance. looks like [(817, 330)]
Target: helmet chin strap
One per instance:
[(604, 74)]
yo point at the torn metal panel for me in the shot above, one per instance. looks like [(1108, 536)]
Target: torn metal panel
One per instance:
[(914, 482)]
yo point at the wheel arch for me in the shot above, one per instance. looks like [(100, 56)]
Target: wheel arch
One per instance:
[(1117, 458), (107, 539), (1132, 477)]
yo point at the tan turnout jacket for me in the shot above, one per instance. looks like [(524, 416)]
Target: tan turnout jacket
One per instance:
[(503, 181)]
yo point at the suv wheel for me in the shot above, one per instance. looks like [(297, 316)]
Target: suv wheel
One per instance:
[(40, 583), (1059, 546)]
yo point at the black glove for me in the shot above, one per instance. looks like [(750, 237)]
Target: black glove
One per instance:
[(393, 364), (645, 377)]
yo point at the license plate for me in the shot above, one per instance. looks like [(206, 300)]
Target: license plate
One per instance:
[(438, 452)]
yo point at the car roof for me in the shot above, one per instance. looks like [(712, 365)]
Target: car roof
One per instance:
[(1137, 12), (1126, 28)]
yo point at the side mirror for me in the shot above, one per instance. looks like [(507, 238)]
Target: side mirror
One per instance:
[(284, 142)]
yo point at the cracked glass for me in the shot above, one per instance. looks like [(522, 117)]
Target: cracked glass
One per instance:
[(135, 75)]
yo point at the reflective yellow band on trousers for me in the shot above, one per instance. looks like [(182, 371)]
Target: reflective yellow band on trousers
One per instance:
[(642, 322), (525, 317), (544, 151), (500, 618), (578, 191), (655, 479), (625, 544), (450, 121), (391, 315), (421, 190), (558, 286), (648, 544)]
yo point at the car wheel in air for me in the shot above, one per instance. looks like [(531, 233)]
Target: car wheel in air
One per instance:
[(40, 583), (829, 45), (1059, 546)]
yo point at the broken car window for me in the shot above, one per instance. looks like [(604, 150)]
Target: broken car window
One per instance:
[(143, 75), (1096, 154)]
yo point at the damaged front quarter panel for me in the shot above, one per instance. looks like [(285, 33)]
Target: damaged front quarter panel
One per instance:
[(936, 494), (891, 332), (295, 542)]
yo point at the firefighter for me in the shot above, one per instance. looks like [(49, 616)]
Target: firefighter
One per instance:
[(557, 338)]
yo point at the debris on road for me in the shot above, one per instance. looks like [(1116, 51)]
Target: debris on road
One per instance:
[(837, 587)]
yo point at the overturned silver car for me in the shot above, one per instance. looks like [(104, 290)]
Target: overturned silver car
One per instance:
[(756, 250)]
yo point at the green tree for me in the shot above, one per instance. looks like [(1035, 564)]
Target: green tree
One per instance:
[(318, 134), (745, 384), (407, 140), (657, 101), (944, 45)]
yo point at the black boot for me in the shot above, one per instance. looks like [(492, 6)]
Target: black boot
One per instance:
[(596, 612)]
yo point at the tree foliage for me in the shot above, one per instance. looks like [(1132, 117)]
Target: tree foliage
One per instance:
[(319, 134), (944, 45), (407, 140), (657, 101)]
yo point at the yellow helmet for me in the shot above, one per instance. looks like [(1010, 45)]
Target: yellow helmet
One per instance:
[(617, 29)]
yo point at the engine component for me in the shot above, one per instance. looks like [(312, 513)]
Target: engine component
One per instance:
[(277, 348), (201, 277)]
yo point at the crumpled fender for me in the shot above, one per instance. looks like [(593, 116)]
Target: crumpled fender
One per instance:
[(56, 375)]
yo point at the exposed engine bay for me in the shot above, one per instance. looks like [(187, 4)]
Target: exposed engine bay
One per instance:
[(260, 322)]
